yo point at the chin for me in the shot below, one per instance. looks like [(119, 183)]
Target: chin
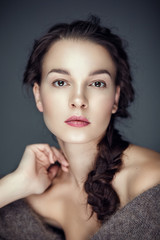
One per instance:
[(78, 138), (75, 139)]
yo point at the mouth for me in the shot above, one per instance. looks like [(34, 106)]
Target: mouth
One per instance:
[(77, 121)]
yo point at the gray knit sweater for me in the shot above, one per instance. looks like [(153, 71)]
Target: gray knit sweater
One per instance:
[(139, 219)]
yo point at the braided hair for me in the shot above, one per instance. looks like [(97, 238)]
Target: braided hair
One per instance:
[(101, 195)]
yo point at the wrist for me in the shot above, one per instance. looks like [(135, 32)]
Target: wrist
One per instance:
[(23, 185), (13, 187)]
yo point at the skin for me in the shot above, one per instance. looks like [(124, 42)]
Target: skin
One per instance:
[(82, 92), (79, 96)]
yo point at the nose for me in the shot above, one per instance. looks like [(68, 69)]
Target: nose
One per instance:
[(78, 100)]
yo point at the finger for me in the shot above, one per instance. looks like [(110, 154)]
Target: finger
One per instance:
[(49, 152), (60, 157), (65, 169), (46, 149), (52, 171), (42, 158)]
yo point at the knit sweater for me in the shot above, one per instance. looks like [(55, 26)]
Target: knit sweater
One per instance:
[(139, 219)]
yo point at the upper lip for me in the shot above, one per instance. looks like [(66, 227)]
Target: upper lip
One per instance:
[(77, 118)]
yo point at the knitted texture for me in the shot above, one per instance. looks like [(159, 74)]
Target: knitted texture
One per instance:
[(139, 219), (19, 222)]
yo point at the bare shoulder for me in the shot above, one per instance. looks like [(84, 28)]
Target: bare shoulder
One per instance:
[(143, 167), (140, 155), (49, 205)]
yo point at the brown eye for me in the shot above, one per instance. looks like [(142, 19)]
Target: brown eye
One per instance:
[(59, 83), (99, 84)]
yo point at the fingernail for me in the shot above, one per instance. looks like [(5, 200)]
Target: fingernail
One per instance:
[(65, 169), (51, 157), (65, 162)]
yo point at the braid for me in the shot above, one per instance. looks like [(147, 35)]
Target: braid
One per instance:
[(101, 195)]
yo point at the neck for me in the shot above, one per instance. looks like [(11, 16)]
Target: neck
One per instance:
[(81, 158)]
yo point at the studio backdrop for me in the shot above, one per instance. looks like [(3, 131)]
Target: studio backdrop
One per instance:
[(21, 22)]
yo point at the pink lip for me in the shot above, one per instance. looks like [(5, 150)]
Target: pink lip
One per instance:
[(77, 121)]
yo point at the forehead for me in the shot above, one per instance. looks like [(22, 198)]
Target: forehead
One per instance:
[(78, 56)]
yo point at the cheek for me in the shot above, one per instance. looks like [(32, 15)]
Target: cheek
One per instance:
[(49, 109), (103, 108), (51, 102), (54, 108), (48, 105)]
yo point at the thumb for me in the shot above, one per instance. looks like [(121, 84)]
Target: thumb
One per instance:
[(52, 171)]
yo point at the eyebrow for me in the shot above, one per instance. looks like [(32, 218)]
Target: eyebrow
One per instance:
[(61, 71), (65, 72), (101, 71)]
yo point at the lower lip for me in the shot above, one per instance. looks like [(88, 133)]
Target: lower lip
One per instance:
[(77, 123)]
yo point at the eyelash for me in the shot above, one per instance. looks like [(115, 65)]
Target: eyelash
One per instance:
[(57, 82), (103, 84)]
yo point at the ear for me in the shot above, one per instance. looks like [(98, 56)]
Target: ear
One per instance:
[(116, 100), (37, 97)]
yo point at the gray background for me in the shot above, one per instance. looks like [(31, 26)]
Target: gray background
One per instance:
[(23, 21)]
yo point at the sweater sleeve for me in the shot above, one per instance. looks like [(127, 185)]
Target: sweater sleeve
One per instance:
[(139, 219), (18, 221)]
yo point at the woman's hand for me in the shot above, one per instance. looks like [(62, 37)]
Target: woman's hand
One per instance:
[(37, 166), (34, 173)]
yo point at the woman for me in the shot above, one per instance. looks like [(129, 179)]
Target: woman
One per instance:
[(98, 189)]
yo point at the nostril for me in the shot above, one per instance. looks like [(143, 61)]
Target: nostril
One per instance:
[(78, 105)]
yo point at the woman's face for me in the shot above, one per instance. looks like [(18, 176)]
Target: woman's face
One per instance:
[(77, 94)]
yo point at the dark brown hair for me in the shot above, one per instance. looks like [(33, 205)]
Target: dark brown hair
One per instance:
[(101, 195)]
